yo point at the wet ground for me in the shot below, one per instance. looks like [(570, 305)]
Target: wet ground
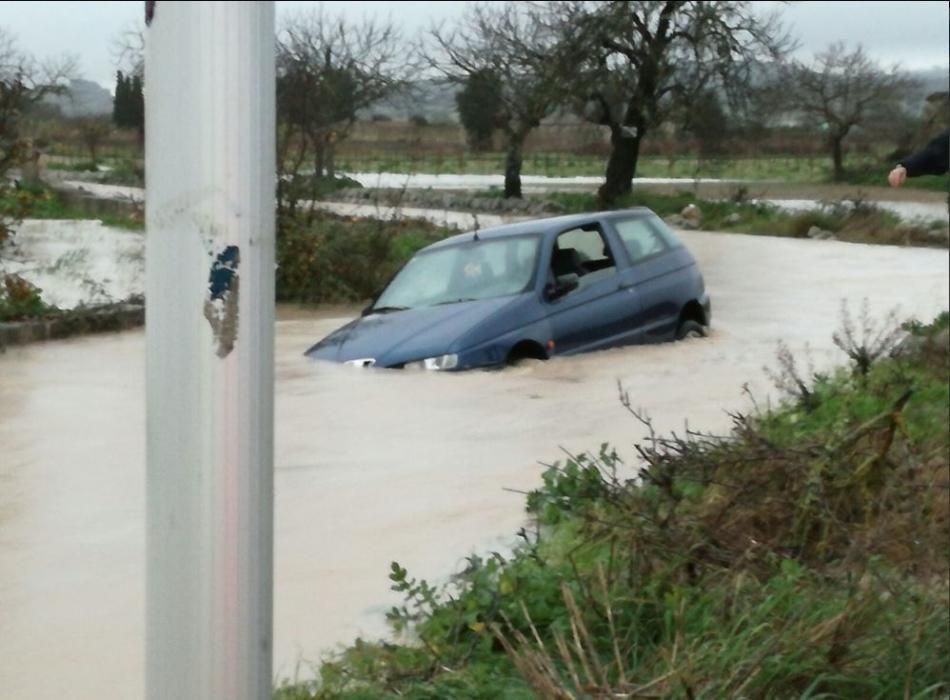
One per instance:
[(372, 466), (906, 202), (77, 262)]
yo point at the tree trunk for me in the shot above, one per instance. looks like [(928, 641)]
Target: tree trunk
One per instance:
[(622, 165), (318, 157), (331, 160), (513, 161), (837, 157)]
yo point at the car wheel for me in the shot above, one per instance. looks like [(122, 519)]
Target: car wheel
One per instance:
[(527, 363), (690, 329)]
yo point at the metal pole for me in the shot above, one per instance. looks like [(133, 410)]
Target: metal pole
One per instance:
[(209, 349)]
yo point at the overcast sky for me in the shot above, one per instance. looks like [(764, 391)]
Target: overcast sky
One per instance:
[(913, 34)]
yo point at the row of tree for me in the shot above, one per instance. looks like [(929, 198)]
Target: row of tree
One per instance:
[(128, 106), (632, 67)]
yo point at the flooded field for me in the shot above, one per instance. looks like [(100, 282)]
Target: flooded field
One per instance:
[(373, 466)]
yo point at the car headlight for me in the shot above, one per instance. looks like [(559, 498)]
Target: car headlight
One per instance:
[(440, 362)]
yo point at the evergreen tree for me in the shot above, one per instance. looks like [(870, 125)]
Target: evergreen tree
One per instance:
[(121, 101), (136, 104), (480, 104)]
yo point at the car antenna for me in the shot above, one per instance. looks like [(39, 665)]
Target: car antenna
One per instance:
[(475, 235)]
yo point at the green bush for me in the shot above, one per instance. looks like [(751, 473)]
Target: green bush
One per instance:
[(125, 172), (78, 167), (20, 300), (326, 258), (293, 190)]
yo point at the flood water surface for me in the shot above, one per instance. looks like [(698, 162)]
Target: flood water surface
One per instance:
[(373, 466)]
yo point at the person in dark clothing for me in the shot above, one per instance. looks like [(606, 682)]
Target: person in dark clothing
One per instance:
[(932, 160)]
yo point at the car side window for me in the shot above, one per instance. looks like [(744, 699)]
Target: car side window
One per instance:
[(639, 238), (583, 252), (665, 232)]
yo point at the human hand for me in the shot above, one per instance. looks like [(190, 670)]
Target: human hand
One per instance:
[(897, 176)]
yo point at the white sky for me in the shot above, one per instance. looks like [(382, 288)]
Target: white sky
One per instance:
[(913, 34)]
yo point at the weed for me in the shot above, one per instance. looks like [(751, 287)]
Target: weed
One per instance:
[(870, 342), (20, 300)]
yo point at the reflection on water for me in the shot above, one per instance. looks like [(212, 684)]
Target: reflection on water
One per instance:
[(371, 465)]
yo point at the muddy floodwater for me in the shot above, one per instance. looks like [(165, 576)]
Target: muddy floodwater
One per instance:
[(373, 466)]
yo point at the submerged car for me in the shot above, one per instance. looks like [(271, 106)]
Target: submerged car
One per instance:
[(533, 289)]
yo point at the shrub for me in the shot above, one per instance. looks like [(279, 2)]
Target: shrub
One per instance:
[(125, 172), (330, 258), (20, 300)]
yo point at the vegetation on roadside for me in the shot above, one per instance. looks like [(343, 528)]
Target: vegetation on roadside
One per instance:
[(804, 555), (49, 204), (20, 300), (855, 221), (872, 177), (325, 258), (868, 169)]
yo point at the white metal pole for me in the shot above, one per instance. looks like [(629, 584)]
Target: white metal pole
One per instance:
[(209, 349)]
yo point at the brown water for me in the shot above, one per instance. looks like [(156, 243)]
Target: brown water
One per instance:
[(372, 466)]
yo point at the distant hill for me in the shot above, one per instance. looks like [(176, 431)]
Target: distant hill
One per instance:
[(83, 98), (932, 80), (432, 99), (429, 98), (435, 99)]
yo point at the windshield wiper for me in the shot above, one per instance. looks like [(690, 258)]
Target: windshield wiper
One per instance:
[(453, 301), (387, 309)]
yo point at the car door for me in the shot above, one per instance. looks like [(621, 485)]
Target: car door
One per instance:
[(653, 273), (599, 310)]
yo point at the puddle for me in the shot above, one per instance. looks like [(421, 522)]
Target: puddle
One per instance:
[(909, 211)]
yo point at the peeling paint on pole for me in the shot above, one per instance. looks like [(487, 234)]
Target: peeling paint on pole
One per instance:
[(221, 307)]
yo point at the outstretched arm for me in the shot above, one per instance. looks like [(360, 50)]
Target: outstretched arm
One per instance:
[(932, 160)]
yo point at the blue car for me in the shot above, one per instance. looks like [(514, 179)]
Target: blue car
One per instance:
[(533, 289)]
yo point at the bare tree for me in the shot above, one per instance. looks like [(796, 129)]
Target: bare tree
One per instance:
[(642, 59), (841, 91), (328, 70), (93, 131), (128, 50), (24, 81), (508, 46)]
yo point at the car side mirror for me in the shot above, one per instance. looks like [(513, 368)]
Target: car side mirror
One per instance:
[(565, 284)]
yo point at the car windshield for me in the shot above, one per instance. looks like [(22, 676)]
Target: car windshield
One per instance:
[(478, 269)]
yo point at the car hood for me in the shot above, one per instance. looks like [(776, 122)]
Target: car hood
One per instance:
[(405, 336)]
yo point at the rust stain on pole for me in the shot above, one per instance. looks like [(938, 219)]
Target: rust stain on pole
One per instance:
[(221, 307)]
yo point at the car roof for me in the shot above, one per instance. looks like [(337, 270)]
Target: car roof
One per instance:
[(537, 226)]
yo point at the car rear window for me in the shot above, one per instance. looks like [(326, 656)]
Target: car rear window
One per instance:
[(640, 237)]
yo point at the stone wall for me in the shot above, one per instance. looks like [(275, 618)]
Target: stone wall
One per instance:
[(114, 317)]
